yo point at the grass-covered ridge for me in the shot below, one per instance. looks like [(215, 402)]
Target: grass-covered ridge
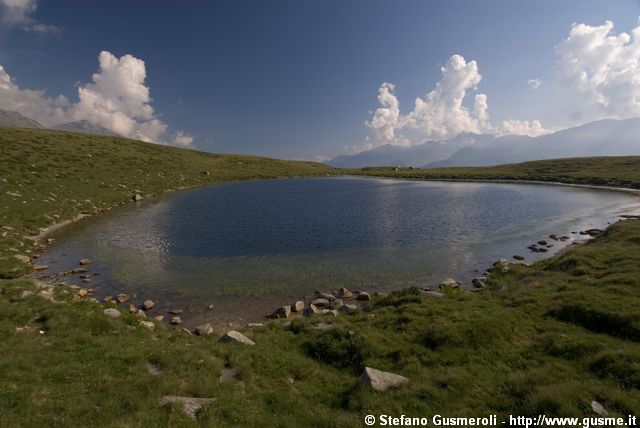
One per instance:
[(49, 176), (621, 171), (546, 339)]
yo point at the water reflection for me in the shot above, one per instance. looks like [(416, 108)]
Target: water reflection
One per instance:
[(280, 239)]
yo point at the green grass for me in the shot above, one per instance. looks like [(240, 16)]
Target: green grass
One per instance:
[(623, 171), (548, 338)]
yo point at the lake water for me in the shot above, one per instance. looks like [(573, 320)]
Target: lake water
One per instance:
[(250, 246)]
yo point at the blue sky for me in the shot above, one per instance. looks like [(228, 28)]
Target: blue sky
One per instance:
[(298, 79)]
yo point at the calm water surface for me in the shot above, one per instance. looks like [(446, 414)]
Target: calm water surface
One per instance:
[(247, 247)]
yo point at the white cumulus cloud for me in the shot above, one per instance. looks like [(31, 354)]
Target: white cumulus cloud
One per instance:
[(522, 127), (385, 118), (116, 99), (602, 69), (441, 113), (17, 14), (534, 83), (34, 104), (182, 139)]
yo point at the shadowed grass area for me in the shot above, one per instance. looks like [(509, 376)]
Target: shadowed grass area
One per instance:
[(545, 339)]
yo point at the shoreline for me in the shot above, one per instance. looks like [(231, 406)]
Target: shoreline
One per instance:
[(267, 309)]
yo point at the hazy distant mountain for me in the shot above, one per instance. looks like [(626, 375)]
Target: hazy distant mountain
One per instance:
[(601, 138), (17, 120), (430, 151), (85, 127)]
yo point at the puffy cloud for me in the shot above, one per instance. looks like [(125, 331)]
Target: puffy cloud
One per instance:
[(534, 83), (182, 139), (17, 14), (523, 127), (602, 69), (116, 99), (441, 113), (384, 122), (34, 104)]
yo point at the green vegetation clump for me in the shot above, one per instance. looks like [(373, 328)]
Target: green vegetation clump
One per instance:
[(543, 339)]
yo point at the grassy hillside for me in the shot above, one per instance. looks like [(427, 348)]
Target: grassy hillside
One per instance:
[(623, 171), (48, 176), (545, 339)]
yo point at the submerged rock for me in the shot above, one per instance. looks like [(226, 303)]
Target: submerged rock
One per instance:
[(85, 261), (148, 304)]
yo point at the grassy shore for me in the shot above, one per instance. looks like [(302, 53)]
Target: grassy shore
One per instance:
[(622, 171), (544, 339)]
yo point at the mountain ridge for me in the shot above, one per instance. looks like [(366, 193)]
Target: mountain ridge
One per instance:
[(85, 127), (17, 120), (606, 137)]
